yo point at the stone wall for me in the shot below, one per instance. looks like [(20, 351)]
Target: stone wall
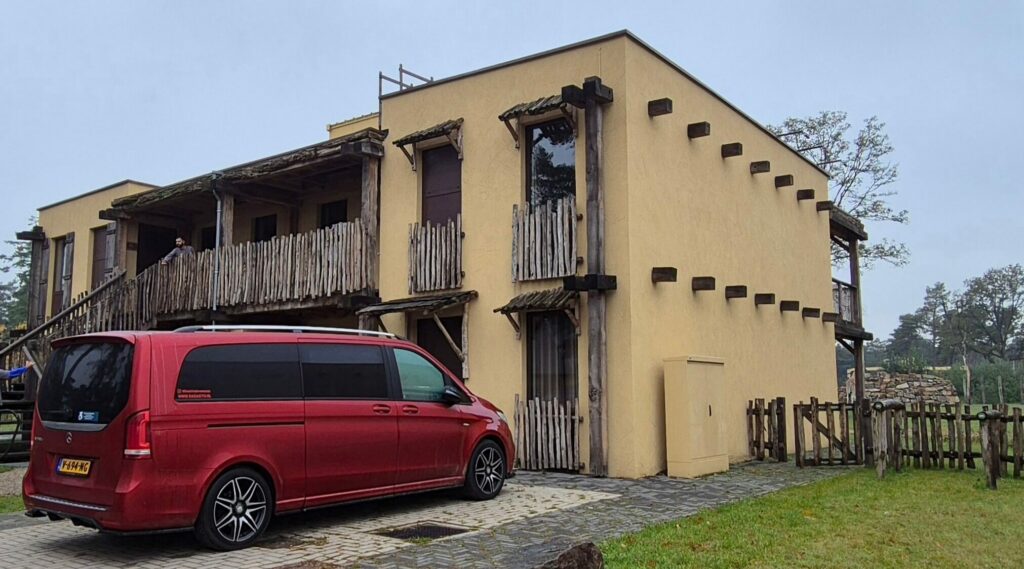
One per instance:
[(906, 387)]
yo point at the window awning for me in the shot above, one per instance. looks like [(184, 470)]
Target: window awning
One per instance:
[(425, 304), (534, 108), (450, 129), (553, 299)]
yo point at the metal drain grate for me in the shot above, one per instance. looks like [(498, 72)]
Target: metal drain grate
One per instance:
[(421, 532)]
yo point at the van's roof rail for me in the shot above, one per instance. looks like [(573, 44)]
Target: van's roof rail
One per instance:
[(276, 328)]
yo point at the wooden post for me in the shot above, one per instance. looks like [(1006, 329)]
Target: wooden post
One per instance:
[(798, 433), (1018, 443), (592, 98), (861, 404), (759, 429), (815, 435), (782, 453), (368, 214), (991, 422), (227, 223)]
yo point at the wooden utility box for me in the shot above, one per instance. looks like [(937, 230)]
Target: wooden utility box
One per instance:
[(695, 416)]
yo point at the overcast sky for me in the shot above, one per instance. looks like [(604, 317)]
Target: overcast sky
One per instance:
[(95, 92)]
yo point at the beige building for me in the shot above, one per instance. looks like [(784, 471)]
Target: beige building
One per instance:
[(555, 229)]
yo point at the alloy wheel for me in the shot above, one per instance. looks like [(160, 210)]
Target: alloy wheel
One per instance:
[(489, 470), (240, 509)]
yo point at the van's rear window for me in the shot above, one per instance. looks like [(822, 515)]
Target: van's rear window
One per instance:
[(86, 383)]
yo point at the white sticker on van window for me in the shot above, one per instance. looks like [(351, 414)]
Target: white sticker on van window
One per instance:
[(88, 416)]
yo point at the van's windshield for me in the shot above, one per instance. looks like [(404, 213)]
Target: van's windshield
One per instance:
[(86, 383)]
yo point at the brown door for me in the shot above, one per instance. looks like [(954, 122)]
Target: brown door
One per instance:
[(64, 255), (442, 184), (430, 338), (551, 356)]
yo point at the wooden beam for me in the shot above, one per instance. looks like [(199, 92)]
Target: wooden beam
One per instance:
[(804, 195), (659, 107), (732, 149), (735, 291), (703, 283), (809, 312), (444, 332), (764, 298), (760, 167), (121, 244), (824, 206), (789, 306), (664, 275), (784, 180), (830, 317), (698, 129)]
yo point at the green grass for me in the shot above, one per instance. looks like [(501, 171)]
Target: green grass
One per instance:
[(10, 504), (4, 469), (913, 519)]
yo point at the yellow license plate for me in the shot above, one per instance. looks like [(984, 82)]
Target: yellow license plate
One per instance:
[(74, 466)]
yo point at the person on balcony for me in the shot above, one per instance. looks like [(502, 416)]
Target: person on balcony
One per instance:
[(180, 250)]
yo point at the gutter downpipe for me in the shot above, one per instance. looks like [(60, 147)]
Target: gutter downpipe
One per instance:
[(214, 177)]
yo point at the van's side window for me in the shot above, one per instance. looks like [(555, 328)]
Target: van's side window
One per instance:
[(241, 372), (421, 380), (340, 371)]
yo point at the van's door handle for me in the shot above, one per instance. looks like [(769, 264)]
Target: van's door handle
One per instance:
[(410, 409), (382, 409)]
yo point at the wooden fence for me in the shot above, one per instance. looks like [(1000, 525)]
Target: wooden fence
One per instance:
[(931, 436), (835, 425), (435, 256), (547, 434), (544, 240), (766, 429)]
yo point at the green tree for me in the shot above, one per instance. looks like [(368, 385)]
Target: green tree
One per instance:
[(932, 324), (14, 291), (860, 170)]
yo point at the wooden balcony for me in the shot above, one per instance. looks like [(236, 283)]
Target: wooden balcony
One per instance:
[(285, 272), (544, 240), (435, 256), (845, 303)]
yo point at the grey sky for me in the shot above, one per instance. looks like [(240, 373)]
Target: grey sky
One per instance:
[(92, 93)]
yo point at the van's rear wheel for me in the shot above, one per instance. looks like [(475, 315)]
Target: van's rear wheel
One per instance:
[(486, 473), (236, 510)]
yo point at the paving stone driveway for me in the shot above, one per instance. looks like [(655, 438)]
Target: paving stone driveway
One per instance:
[(536, 515)]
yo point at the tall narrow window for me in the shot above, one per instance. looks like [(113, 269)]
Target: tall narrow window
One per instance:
[(333, 212), (550, 161), (442, 184), (264, 228), (551, 356), (64, 256), (102, 254)]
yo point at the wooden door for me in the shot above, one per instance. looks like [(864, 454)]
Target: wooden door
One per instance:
[(102, 254)]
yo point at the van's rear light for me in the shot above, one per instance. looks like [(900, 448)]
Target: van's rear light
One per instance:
[(137, 438)]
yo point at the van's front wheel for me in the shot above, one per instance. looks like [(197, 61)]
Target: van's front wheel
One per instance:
[(236, 510), (486, 473)]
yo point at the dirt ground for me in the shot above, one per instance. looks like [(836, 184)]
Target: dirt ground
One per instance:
[(10, 482)]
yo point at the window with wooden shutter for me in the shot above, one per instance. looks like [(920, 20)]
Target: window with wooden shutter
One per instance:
[(442, 184), (102, 254)]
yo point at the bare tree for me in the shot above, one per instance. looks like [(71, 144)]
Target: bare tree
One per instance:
[(860, 170)]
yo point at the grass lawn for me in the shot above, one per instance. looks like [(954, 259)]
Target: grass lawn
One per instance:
[(10, 504), (917, 518)]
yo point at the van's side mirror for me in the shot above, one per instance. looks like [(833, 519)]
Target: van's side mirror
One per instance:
[(451, 396)]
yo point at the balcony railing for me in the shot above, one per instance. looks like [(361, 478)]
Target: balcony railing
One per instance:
[(287, 268), (544, 240), (844, 299), (435, 256)]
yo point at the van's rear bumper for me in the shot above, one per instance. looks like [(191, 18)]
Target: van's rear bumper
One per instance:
[(138, 505)]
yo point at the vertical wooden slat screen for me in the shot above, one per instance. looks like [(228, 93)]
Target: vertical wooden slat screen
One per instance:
[(547, 434), (435, 255), (544, 242)]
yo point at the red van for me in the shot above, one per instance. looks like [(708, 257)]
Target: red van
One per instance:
[(217, 428)]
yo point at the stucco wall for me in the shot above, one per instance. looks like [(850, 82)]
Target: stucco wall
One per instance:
[(80, 215), (492, 181), (353, 125), (689, 208)]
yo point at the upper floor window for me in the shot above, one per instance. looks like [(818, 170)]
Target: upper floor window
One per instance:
[(550, 161), (264, 228), (441, 184), (333, 212)]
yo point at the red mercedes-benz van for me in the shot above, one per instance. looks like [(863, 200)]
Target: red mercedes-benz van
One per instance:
[(218, 428)]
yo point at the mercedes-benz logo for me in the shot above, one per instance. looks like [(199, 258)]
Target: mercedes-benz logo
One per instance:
[(67, 439)]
